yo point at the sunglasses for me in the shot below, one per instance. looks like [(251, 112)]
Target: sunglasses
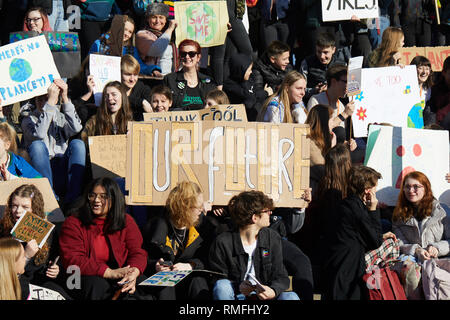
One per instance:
[(29, 20), (191, 54)]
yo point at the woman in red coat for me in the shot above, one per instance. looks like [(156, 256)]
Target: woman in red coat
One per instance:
[(105, 244)]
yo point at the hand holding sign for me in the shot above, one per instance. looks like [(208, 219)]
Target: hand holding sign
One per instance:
[(31, 249)]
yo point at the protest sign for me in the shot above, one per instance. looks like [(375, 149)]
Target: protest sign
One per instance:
[(354, 76), (224, 112), (395, 151), (65, 48), (51, 207), (337, 10), (104, 69), (223, 158), (202, 21), (41, 293), (172, 278), (388, 95), (27, 69), (30, 226), (108, 155), (436, 55)]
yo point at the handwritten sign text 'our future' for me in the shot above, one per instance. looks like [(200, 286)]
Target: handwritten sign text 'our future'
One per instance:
[(28, 70), (223, 158)]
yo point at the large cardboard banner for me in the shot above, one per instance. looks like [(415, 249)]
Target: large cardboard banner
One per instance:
[(202, 21), (51, 207), (104, 69), (388, 95), (395, 151), (108, 155), (232, 112), (223, 158), (65, 48), (337, 10), (27, 70), (436, 55)]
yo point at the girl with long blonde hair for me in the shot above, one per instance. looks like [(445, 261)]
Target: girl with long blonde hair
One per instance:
[(392, 40), (286, 105), (12, 263)]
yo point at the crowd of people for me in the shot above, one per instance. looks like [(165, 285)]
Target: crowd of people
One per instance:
[(288, 66)]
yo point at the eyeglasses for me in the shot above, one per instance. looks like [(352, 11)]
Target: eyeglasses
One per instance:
[(93, 196), (33, 19), (408, 187), (191, 54)]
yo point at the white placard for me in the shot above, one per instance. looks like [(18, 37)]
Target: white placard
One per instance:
[(104, 69), (388, 95), (27, 68), (338, 10), (354, 75), (41, 293), (395, 151)]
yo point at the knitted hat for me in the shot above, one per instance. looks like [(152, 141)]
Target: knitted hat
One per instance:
[(157, 8)]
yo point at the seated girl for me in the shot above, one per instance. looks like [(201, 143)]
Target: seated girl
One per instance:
[(161, 98)]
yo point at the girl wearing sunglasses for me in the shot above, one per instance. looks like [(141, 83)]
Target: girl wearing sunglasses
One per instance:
[(189, 86)]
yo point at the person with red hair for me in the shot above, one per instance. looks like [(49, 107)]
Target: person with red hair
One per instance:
[(419, 220), (36, 19), (189, 86)]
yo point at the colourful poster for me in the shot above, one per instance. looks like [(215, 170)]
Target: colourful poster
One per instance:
[(166, 278), (388, 95), (337, 10), (30, 226), (395, 151), (202, 21), (27, 70)]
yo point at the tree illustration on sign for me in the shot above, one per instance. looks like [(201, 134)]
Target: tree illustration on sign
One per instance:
[(202, 22)]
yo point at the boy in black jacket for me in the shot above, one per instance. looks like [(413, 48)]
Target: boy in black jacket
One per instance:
[(251, 255)]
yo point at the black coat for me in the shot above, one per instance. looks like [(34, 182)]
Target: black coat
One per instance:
[(156, 242), (265, 72), (47, 5), (227, 255), (176, 82), (357, 231), (139, 92)]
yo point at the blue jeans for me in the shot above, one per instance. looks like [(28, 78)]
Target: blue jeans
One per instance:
[(56, 19), (65, 172), (225, 290), (374, 37)]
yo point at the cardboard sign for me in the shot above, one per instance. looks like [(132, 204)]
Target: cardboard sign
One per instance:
[(108, 155), (223, 158), (27, 70), (65, 48), (51, 207), (395, 151), (354, 76), (104, 69), (337, 10), (436, 55), (41, 293), (30, 226), (224, 112), (388, 95), (202, 21)]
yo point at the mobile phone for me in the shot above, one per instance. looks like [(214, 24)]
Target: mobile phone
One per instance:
[(255, 282), (167, 263)]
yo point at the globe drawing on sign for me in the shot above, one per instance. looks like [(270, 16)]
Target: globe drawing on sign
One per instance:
[(20, 70)]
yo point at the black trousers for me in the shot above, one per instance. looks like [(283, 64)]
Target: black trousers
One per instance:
[(89, 32)]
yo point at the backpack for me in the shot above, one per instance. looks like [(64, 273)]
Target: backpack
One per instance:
[(436, 279), (384, 284)]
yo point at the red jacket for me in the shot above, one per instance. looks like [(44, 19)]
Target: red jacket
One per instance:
[(76, 243)]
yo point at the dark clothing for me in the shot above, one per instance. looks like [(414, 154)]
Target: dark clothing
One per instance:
[(139, 92), (415, 21), (240, 91), (227, 256), (47, 5), (440, 103), (265, 72), (356, 232), (176, 82), (315, 73)]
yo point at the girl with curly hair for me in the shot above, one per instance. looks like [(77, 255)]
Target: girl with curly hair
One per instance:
[(40, 269)]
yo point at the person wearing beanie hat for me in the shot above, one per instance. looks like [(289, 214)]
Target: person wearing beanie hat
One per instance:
[(155, 43)]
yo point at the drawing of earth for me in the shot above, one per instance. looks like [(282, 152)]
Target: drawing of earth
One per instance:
[(20, 70), (415, 117)]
